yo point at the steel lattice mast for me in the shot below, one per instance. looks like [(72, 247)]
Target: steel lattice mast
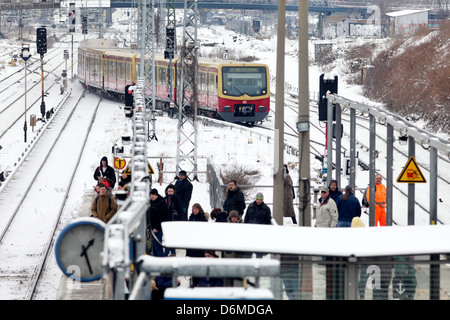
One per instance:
[(146, 42), (187, 102)]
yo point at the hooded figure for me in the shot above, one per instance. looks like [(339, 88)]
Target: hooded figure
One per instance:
[(334, 190), (234, 217), (105, 173), (173, 203)]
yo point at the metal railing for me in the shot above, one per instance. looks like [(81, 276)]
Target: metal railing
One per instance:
[(390, 122)]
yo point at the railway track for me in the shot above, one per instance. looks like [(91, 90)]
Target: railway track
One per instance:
[(10, 113), (31, 211)]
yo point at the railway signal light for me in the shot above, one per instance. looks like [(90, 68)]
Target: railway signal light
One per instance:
[(84, 27), (170, 42), (41, 40), (129, 101), (325, 86), (72, 17)]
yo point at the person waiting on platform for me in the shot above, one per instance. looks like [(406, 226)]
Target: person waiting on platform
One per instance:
[(380, 201), (105, 174), (327, 215), (104, 205), (257, 213), (348, 208), (235, 199), (156, 214), (183, 188)]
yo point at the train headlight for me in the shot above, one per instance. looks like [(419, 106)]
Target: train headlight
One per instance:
[(262, 109)]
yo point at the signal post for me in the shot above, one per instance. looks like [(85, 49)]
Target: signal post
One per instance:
[(25, 55), (41, 44), (72, 30)]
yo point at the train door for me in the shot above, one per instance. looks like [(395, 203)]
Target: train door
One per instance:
[(212, 90), (102, 75), (98, 69), (112, 74), (106, 79), (120, 73)]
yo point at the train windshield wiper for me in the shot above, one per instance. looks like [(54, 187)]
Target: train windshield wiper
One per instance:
[(233, 86)]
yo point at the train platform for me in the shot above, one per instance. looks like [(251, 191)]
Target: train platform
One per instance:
[(100, 289)]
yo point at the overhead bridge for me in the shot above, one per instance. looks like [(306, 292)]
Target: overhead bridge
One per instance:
[(269, 5)]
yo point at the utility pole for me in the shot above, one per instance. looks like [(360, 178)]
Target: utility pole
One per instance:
[(304, 197), (303, 116), (278, 164)]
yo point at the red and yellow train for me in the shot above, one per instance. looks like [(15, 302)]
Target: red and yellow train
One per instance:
[(232, 90)]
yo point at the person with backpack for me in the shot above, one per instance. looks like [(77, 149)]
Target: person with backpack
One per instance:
[(104, 206), (380, 201)]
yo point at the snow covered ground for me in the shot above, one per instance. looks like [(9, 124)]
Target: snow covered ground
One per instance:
[(224, 147)]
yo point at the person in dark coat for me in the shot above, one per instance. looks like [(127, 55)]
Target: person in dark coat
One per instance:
[(235, 199), (173, 205), (218, 215), (197, 215), (289, 196), (105, 173), (156, 214), (348, 207), (183, 188), (258, 212), (334, 190)]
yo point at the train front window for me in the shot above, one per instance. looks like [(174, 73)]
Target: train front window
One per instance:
[(237, 81)]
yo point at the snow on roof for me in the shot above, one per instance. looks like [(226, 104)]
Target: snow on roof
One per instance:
[(342, 242), (405, 12), (233, 293)]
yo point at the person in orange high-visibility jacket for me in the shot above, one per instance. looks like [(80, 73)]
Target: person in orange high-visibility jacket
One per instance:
[(380, 201)]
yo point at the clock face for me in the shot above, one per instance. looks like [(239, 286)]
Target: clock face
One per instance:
[(78, 249)]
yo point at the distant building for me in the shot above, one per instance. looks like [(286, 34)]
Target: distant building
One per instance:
[(407, 22)]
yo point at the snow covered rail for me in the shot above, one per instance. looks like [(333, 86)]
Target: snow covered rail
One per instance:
[(8, 174), (32, 210)]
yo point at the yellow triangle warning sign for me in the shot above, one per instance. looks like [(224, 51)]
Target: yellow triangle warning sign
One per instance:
[(411, 173), (128, 169)]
